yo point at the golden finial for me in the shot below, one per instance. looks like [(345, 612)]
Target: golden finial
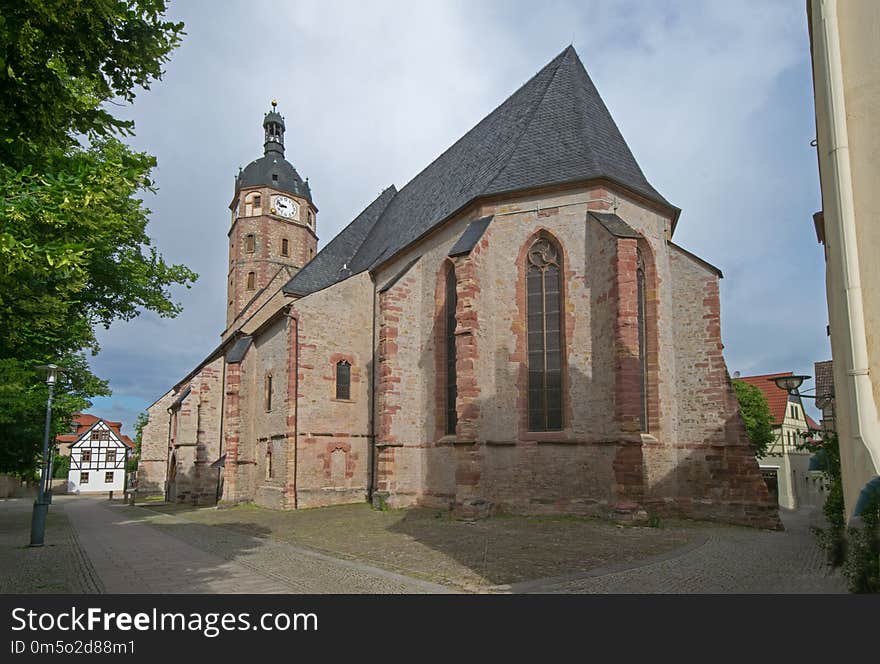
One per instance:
[(274, 104)]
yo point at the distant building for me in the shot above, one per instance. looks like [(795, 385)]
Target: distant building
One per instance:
[(786, 455), (845, 52), (824, 374), (98, 453)]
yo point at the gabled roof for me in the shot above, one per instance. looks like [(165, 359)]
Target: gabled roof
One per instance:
[(554, 130), (615, 225), (85, 422), (777, 399)]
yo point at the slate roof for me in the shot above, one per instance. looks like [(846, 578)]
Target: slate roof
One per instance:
[(260, 171), (615, 225), (239, 348), (824, 379), (554, 130), (333, 262), (470, 237)]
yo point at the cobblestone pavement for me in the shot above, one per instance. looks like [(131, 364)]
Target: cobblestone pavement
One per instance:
[(729, 560), (134, 550), (57, 567)]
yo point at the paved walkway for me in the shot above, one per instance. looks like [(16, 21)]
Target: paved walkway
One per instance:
[(727, 560), (133, 550)]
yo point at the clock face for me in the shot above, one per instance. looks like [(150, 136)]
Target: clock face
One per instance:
[(285, 207)]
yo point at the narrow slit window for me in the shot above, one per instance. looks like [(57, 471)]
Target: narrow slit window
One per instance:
[(451, 380), (268, 392), (343, 380), (269, 470), (544, 325), (285, 247), (643, 350), (251, 281), (250, 243)]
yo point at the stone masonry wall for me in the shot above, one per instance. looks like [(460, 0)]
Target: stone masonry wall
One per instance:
[(153, 464), (332, 451)]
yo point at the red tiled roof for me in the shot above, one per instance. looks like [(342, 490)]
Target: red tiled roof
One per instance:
[(777, 399), (85, 420), (812, 423)]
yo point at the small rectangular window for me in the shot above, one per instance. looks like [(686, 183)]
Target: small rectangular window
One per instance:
[(86, 456), (250, 243), (108, 478), (251, 281), (83, 478), (285, 248), (111, 456), (257, 202)]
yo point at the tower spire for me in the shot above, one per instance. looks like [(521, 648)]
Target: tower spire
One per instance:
[(273, 126)]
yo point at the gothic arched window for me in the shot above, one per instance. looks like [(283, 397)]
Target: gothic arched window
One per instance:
[(251, 281), (544, 300), (343, 380), (451, 382), (643, 340)]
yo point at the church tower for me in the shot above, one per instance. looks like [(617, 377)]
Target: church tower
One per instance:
[(273, 221)]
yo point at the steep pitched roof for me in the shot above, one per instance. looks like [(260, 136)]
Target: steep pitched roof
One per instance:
[(777, 399), (333, 262), (83, 422), (554, 130)]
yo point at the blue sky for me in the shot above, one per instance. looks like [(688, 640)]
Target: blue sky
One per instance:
[(714, 99)]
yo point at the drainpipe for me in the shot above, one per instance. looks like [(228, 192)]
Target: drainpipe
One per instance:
[(864, 414), (371, 441), (295, 322)]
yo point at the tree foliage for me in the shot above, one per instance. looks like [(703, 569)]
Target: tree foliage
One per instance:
[(755, 411), (74, 248)]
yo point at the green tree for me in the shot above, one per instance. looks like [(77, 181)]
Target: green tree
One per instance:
[(756, 415), (142, 420), (74, 249)]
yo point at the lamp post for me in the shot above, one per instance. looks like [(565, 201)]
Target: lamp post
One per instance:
[(41, 504)]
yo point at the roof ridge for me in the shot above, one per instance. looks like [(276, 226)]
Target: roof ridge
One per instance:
[(565, 53)]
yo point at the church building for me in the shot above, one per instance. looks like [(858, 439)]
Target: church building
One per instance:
[(513, 331)]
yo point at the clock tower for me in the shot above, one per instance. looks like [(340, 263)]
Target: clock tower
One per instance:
[(273, 223)]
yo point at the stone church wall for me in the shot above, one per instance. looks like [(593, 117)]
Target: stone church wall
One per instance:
[(332, 451), (153, 464)]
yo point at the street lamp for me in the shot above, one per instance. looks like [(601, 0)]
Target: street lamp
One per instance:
[(791, 384), (41, 504)]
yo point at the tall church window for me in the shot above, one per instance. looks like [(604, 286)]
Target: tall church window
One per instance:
[(544, 313), (343, 380), (268, 390), (285, 247), (643, 340), (451, 380), (251, 281), (250, 243)]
